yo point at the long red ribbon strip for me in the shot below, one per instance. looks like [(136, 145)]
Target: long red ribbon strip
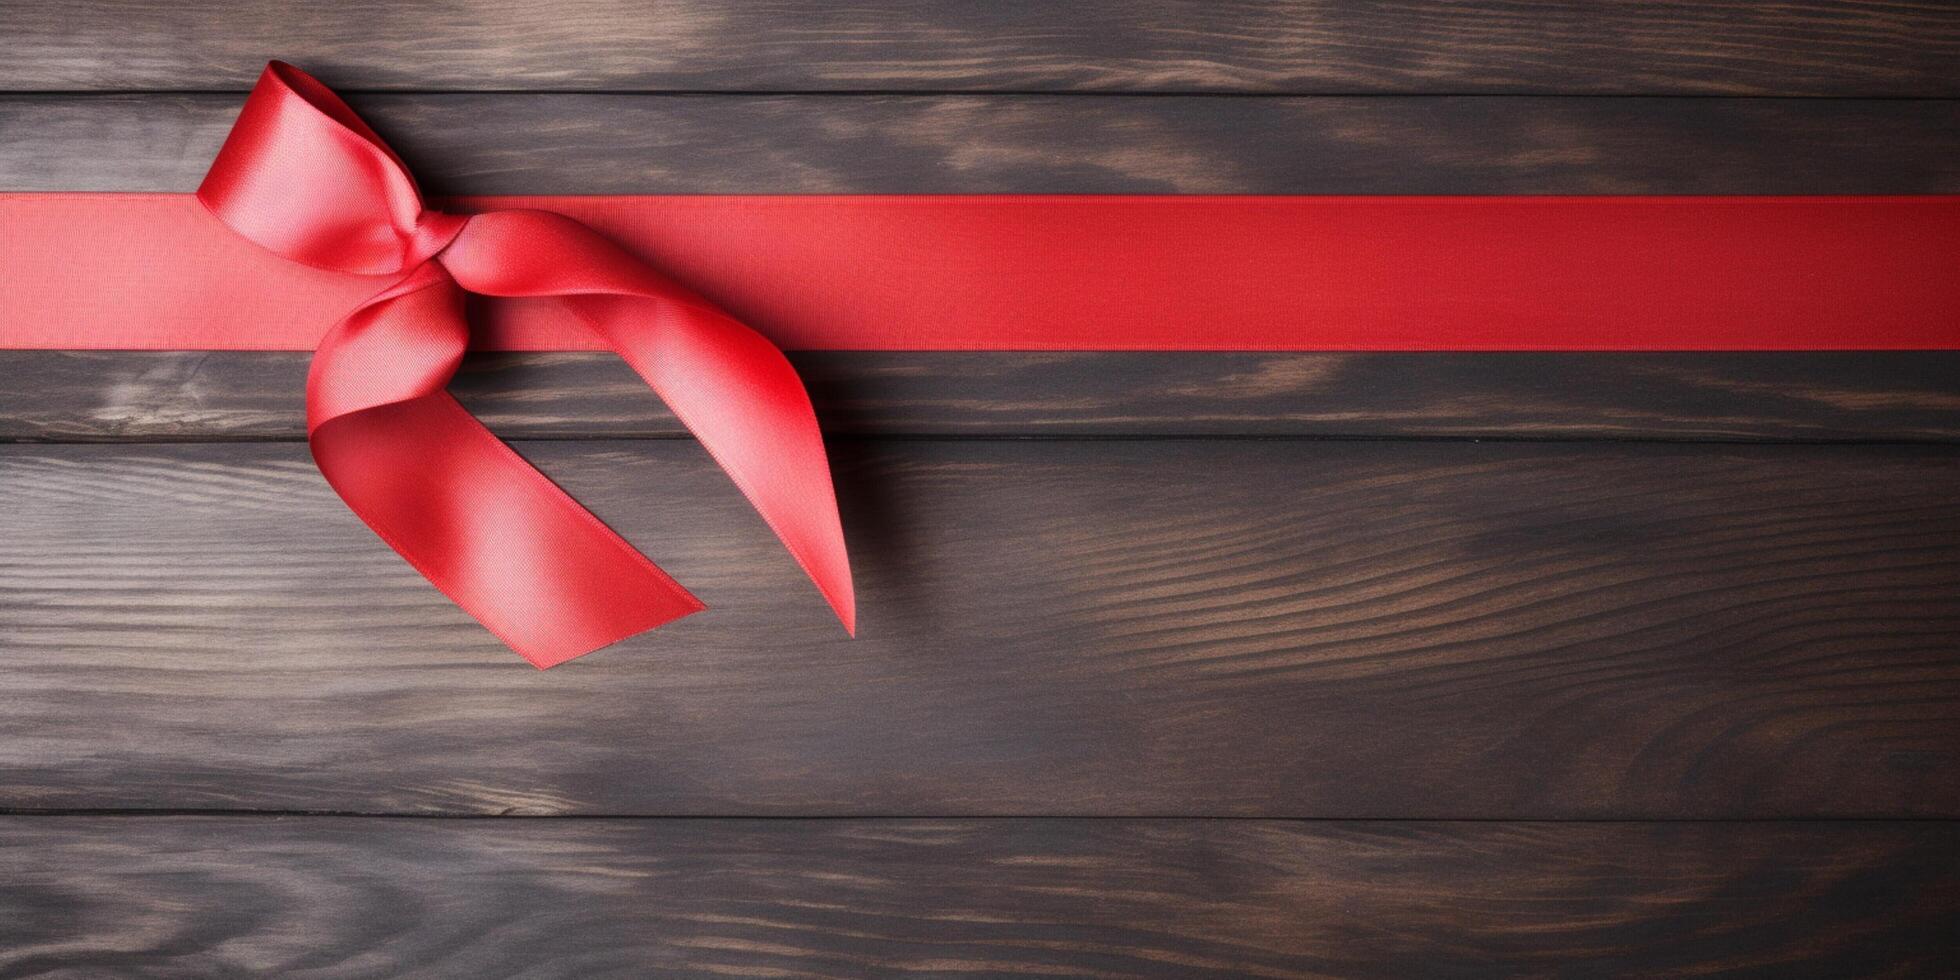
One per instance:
[(154, 272), (306, 207)]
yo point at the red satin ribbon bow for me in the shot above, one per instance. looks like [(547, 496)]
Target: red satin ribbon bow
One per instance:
[(303, 176)]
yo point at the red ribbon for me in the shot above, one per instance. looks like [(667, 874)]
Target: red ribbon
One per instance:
[(1074, 272), (302, 176)]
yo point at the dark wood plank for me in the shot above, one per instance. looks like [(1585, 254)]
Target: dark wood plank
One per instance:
[(617, 144), (1839, 47), (340, 897), (1187, 627), (1824, 396)]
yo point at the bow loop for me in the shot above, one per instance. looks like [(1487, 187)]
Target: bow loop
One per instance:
[(303, 176), (524, 252)]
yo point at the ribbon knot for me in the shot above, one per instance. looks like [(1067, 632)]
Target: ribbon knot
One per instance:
[(304, 177), (434, 231)]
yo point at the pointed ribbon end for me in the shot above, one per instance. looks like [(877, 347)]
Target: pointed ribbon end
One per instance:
[(844, 602)]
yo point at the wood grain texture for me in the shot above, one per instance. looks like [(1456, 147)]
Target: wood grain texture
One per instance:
[(621, 144), (337, 897), (1839, 47), (1105, 628), (1825, 396), (1198, 627)]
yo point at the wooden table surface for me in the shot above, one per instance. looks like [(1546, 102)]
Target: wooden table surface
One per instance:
[(1276, 665)]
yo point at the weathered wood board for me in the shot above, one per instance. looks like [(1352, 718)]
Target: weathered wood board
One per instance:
[(1828, 396), (349, 897), (1713, 47), (1192, 627), (532, 143)]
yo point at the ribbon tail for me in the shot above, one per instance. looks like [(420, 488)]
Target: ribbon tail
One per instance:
[(477, 520), (728, 384), (743, 400)]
